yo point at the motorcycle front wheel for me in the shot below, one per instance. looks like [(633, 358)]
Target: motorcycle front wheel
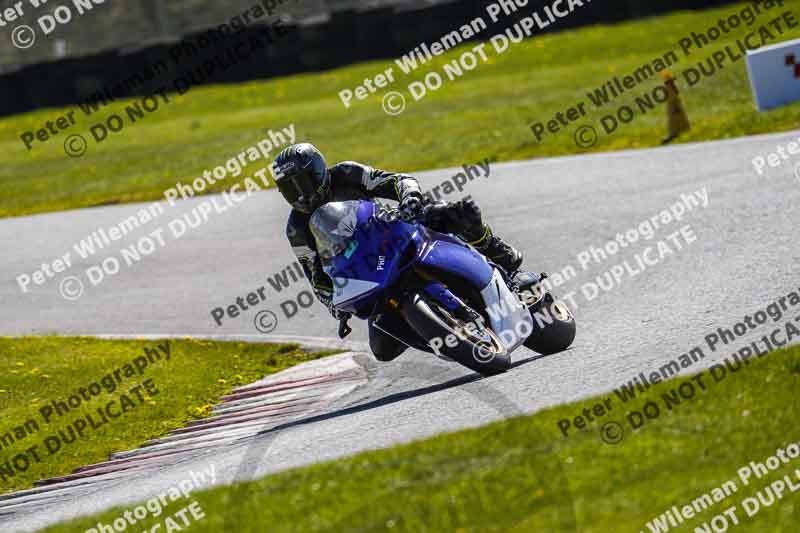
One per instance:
[(470, 344)]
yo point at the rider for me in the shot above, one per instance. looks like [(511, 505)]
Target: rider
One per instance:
[(306, 182)]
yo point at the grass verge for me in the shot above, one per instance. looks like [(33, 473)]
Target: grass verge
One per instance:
[(487, 113), (522, 474), (184, 385)]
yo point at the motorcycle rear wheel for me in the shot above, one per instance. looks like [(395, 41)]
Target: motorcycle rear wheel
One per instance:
[(557, 336)]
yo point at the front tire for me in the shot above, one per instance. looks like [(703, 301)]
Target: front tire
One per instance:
[(429, 321)]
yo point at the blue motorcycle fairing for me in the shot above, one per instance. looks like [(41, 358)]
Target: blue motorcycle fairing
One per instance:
[(452, 256), (372, 260), (368, 251)]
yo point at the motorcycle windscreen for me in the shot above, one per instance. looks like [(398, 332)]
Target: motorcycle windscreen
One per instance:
[(333, 226), (370, 258), (341, 242)]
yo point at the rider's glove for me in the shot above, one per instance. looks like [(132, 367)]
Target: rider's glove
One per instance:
[(411, 206)]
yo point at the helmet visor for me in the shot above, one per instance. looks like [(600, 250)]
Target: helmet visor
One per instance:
[(302, 190), (306, 183), (289, 190)]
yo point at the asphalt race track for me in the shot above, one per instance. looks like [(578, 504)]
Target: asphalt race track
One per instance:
[(746, 254)]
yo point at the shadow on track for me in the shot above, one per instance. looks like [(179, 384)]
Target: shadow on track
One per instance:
[(396, 397)]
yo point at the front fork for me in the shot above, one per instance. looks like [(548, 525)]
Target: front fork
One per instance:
[(454, 305)]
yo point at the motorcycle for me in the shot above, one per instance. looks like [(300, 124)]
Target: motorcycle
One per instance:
[(458, 305)]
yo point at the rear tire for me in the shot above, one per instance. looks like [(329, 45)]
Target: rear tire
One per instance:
[(430, 322), (556, 337)]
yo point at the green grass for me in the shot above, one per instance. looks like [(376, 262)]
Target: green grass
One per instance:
[(38, 370), (485, 114), (522, 475)]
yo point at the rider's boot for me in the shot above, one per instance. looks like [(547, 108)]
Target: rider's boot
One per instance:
[(498, 251)]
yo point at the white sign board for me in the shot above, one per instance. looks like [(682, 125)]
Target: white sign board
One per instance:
[(775, 74)]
